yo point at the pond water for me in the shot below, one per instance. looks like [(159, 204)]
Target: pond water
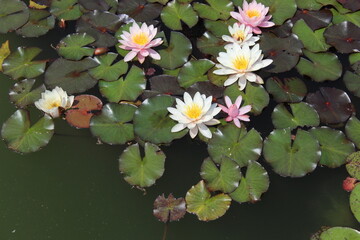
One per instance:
[(72, 189)]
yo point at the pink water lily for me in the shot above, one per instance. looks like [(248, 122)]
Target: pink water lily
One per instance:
[(235, 112), (140, 41), (253, 15)]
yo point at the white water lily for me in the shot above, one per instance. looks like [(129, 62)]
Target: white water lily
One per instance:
[(241, 35), (51, 102), (240, 63), (194, 114)]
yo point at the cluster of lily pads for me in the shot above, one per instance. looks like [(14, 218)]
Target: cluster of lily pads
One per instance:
[(145, 56)]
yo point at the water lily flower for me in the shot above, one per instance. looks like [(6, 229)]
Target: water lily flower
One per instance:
[(241, 35), (52, 102), (235, 112), (195, 114), (140, 40), (240, 63), (253, 15)]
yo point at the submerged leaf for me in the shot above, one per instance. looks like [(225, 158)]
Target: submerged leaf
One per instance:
[(169, 209)]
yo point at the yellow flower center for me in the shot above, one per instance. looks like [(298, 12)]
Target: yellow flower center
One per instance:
[(193, 111), (239, 35), (140, 38), (241, 63), (53, 105), (253, 13)]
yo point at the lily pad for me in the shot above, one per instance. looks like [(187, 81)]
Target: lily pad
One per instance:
[(355, 205), (100, 5), (252, 185), (128, 89), (140, 10), (308, 4), (345, 37), (4, 53), (166, 84), (21, 137), (219, 27), (335, 4), (210, 44), (22, 94), (200, 202), (169, 209), (13, 14), (112, 125), (226, 179), (353, 165), (287, 89), (353, 17), (194, 71), (175, 12), (235, 143), (301, 115), (72, 47), (65, 9), (314, 19), (20, 64), (142, 171), (40, 22), (280, 10), (108, 70), (152, 123), (340, 233), (215, 10), (72, 76), (352, 130), (320, 67), (292, 158), (333, 145), (353, 5), (206, 88), (352, 82)]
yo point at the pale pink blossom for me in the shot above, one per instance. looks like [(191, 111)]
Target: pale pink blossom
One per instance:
[(235, 112), (253, 15), (140, 40)]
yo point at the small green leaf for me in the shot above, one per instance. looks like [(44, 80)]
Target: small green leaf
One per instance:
[(355, 204), (175, 12), (215, 10), (194, 71), (210, 44), (108, 71), (72, 47), (219, 28), (280, 10), (65, 9), (340, 233), (13, 14), (286, 90), (22, 94), (308, 4), (353, 17), (40, 22), (352, 82), (353, 165), (352, 130)]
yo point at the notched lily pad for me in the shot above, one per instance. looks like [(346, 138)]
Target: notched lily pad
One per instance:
[(22, 94), (215, 10), (107, 69), (175, 12), (314, 19), (65, 9), (194, 71), (73, 46), (13, 14), (40, 22), (345, 37), (280, 10), (169, 209), (140, 10), (287, 89)]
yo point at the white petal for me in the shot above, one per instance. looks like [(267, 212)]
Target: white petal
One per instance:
[(204, 130), (193, 132), (178, 127)]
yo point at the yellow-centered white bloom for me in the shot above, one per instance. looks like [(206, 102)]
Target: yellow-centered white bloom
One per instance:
[(240, 63), (52, 102), (241, 35), (194, 114)]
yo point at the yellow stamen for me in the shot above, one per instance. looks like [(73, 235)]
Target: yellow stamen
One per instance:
[(253, 13), (193, 111), (53, 105), (241, 63), (140, 38), (239, 35)]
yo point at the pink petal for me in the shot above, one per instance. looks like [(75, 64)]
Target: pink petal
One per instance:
[(144, 52), (238, 101), (266, 24), (245, 118), (229, 119), (244, 109), (237, 122), (223, 108), (154, 54), (130, 56), (256, 30), (141, 58), (228, 101)]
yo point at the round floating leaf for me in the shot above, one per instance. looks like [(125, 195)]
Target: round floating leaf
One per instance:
[(174, 13), (206, 88), (355, 204), (169, 209), (301, 115), (219, 28), (177, 52), (283, 31), (72, 47), (19, 64), (333, 105), (252, 185), (166, 84), (284, 52), (40, 22), (72, 76), (254, 95), (200, 202), (333, 145), (107, 70), (314, 19), (320, 66), (194, 71), (280, 10), (112, 125), (235, 143), (353, 5), (353, 17), (84, 107), (65, 9), (13, 14), (22, 94), (4, 53), (340, 233), (152, 123), (140, 10), (100, 5), (291, 158), (345, 37), (313, 41), (226, 179), (352, 82), (308, 4), (128, 89), (142, 172), (286, 90), (210, 44), (215, 79), (353, 165), (21, 137), (334, 3), (215, 10), (352, 130)]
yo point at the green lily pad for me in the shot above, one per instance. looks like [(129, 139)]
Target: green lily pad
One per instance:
[(215, 10), (169, 209), (21, 137), (226, 179), (13, 14), (112, 125), (210, 44), (219, 27), (194, 71), (354, 58), (174, 13), (287, 89), (142, 172), (355, 204), (308, 4), (140, 10), (340, 233), (352, 82), (353, 17), (108, 70), (72, 47), (22, 94), (301, 115), (280, 10), (353, 165), (320, 66), (100, 5), (177, 52), (333, 145), (128, 89), (72, 76), (163, 2), (352, 130), (235, 143), (40, 22), (152, 123), (19, 64), (65, 9), (291, 158), (200, 202), (254, 95), (252, 185), (335, 4), (217, 80)]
